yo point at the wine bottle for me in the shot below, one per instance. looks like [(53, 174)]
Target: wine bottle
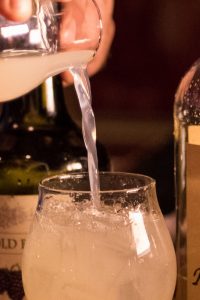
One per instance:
[(38, 138), (187, 179)]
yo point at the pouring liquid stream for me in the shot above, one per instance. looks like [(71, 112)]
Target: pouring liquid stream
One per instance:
[(83, 90), (33, 70)]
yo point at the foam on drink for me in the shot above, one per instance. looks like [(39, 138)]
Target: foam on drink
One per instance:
[(78, 252), (85, 255)]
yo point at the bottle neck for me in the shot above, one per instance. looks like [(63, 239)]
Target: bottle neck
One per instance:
[(42, 107)]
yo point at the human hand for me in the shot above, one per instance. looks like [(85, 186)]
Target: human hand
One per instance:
[(20, 10), (106, 9)]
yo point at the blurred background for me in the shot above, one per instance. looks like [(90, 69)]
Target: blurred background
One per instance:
[(155, 43)]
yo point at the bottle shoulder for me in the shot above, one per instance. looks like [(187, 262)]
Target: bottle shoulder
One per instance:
[(28, 156), (187, 98)]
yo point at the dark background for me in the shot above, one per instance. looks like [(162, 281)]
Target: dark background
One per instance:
[(155, 43)]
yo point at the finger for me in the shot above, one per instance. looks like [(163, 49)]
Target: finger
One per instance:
[(16, 10), (102, 54), (106, 7), (99, 60)]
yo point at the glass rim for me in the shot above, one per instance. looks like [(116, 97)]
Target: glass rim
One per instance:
[(148, 183)]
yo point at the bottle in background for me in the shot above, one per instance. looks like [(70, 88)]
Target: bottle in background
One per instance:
[(38, 138), (187, 179)]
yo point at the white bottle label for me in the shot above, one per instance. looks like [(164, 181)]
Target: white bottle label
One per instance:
[(16, 213), (193, 212)]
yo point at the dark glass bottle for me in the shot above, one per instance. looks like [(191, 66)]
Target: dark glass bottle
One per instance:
[(187, 175), (38, 138)]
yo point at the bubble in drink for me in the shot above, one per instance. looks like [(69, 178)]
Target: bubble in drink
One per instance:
[(90, 252), (87, 254)]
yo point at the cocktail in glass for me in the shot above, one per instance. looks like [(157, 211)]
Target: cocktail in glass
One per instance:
[(120, 251)]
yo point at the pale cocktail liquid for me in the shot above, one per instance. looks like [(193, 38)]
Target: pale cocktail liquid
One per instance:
[(92, 255), (26, 71), (76, 64)]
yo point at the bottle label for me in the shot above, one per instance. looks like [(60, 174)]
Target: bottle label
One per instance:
[(193, 212), (16, 213)]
